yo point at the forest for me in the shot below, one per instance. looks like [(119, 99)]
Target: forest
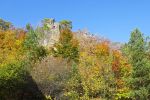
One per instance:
[(77, 66)]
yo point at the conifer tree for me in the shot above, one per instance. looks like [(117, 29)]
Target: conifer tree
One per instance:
[(140, 77)]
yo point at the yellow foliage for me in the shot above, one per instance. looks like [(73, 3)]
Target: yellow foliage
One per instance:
[(10, 47)]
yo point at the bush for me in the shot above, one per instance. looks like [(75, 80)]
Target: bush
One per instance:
[(17, 84), (50, 75), (72, 95)]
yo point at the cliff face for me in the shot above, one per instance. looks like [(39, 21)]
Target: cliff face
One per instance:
[(51, 34)]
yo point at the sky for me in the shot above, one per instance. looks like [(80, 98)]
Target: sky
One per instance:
[(113, 19)]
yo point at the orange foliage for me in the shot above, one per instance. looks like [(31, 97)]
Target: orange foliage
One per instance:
[(116, 63), (121, 69), (102, 49)]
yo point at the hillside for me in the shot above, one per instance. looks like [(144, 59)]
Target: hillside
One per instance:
[(51, 62)]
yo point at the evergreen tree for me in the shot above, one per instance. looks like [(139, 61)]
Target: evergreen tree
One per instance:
[(140, 80)]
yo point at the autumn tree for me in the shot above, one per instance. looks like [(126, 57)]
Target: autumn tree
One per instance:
[(103, 53), (11, 46), (122, 70), (95, 72)]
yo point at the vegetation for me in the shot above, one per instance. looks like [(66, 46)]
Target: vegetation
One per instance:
[(5, 25), (67, 47), (79, 66), (139, 80)]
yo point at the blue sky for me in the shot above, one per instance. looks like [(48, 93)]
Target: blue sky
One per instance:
[(113, 19)]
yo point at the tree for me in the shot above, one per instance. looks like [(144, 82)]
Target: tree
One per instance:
[(121, 69), (11, 48), (14, 76), (95, 71), (65, 24), (140, 80), (103, 53), (4, 24), (34, 51), (67, 47)]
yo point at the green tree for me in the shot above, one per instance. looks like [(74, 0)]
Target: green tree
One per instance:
[(31, 45), (67, 47), (140, 80), (65, 24)]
